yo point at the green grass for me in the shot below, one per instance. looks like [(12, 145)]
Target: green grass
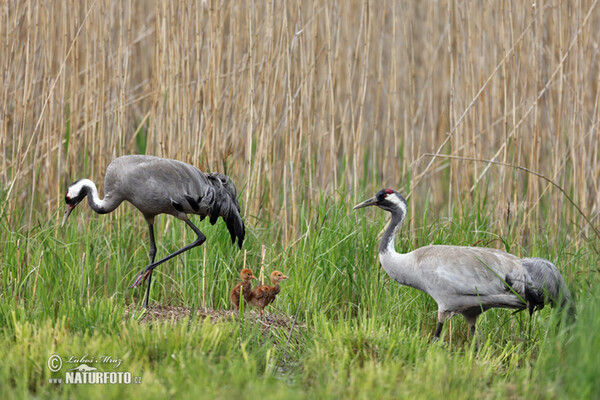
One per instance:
[(359, 334)]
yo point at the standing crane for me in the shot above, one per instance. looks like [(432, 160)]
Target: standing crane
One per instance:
[(155, 186), (467, 280)]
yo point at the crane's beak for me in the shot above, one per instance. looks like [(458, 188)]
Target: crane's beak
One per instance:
[(67, 213), (371, 202)]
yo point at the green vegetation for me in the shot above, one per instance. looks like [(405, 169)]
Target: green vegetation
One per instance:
[(357, 334), (307, 105)]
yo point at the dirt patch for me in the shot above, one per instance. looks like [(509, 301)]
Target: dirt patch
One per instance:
[(174, 314)]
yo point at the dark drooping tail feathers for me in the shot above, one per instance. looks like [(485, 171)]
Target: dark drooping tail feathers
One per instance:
[(235, 225), (226, 206), (546, 285)]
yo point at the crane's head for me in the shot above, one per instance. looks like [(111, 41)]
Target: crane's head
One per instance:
[(386, 199), (277, 276), (75, 193), (246, 274)]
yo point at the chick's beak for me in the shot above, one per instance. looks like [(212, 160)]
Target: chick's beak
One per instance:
[(370, 202), (67, 213)]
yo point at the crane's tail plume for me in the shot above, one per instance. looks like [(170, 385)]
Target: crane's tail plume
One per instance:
[(546, 286), (235, 225), (227, 207)]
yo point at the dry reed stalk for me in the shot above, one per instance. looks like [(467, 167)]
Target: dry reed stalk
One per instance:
[(295, 98), (261, 276), (532, 172)]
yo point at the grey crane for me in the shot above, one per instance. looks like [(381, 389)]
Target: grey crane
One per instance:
[(467, 280), (155, 186)]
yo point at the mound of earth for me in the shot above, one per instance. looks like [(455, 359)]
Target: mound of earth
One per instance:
[(160, 313)]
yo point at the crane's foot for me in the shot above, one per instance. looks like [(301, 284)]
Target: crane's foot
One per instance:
[(141, 278)]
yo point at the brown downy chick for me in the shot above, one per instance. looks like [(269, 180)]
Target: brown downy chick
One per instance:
[(246, 284), (264, 295)]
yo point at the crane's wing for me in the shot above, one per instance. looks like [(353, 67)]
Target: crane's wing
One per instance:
[(158, 185), (472, 275)]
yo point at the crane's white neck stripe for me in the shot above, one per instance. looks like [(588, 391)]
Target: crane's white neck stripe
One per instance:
[(397, 201), (76, 188), (387, 243)]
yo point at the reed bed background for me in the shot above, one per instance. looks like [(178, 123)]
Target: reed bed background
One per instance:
[(294, 99), (309, 106)]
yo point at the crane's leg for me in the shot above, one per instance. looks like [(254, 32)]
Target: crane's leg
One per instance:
[(472, 320), (438, 331), (474, 338), (152, 255), (442, 315), (148, 270)]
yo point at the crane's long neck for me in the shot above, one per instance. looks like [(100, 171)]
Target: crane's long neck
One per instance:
[(401, 267), (101, 206), (387, 241)]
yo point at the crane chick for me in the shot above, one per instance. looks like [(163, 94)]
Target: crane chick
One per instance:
[(245, 286), (264, 295)]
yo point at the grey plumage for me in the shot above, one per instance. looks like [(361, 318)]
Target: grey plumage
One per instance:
[(546, 285), (467, 280), (157, 185)]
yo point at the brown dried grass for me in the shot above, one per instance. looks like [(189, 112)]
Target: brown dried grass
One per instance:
[(295, 98)]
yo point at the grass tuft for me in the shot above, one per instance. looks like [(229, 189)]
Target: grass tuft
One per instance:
[(356, 332)]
